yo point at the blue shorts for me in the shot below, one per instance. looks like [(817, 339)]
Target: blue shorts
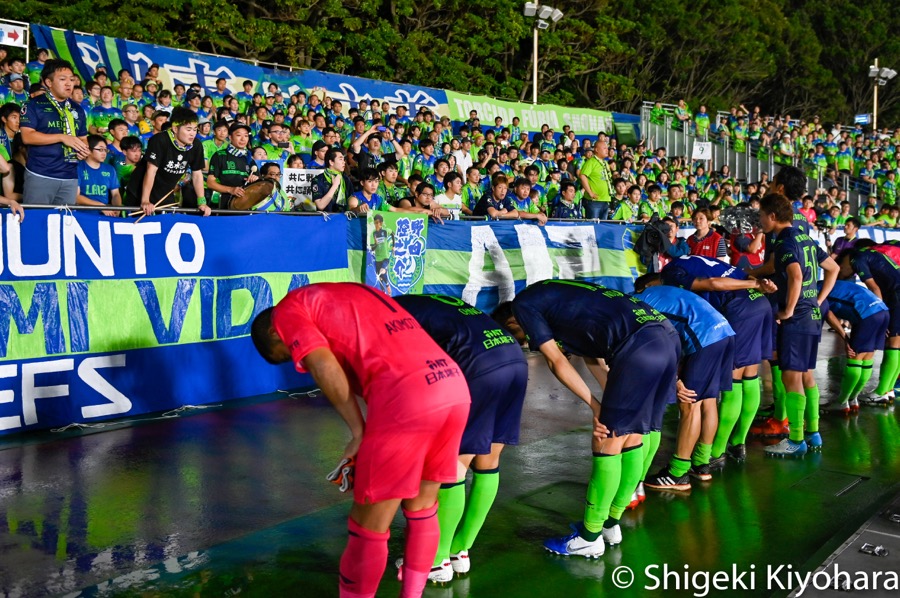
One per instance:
[(797, 352), (708, 371), (870, 333), (641, 381), (774, 327), (894, 324), (496, 410), (753, 327)]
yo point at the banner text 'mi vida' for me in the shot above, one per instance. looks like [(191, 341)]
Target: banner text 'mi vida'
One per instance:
[(41, 318)]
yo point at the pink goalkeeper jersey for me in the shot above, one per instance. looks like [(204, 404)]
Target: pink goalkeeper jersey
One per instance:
[(389, 359)]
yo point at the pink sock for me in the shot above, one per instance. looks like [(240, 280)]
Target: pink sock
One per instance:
[(422, 535), (363, 561)]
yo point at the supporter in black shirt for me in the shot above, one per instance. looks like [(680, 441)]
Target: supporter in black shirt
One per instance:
[(169, 156)]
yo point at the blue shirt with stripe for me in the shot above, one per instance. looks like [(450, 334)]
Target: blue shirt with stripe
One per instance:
[(697, 323), (853, 302), (96, 183)]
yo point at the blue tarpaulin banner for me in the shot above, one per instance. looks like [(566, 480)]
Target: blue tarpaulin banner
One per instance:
[(181, 66), (103, 318), (487, 263)]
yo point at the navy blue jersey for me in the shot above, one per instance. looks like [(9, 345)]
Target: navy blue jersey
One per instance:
[(697, 323), (853, 302), (53, 160), (685, 270), (869, 263), (472, 338), (794, 247), (583, 318), (488, 201)]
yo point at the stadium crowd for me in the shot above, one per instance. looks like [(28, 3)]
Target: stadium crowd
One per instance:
[(204, 147)]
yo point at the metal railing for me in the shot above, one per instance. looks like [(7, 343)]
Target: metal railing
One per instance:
[(743, 165)]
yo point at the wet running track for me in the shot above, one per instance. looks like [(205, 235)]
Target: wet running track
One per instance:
[(232, 500)]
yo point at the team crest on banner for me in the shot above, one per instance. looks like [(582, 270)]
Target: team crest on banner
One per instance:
[(395, 252)]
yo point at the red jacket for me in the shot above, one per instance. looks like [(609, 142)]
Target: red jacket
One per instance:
[(708, 246)]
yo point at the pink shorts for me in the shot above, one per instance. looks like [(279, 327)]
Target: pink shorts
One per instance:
[(393, 460)]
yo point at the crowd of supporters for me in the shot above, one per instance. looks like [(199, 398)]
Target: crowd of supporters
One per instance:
[(866, 158), (116, 141)]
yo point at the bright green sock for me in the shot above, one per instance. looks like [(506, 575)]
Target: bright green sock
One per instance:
[(795, 404), (749, 407), (729, 412), (605, 477), (864, 377), (651, 445), (779, 394), (678, 466), (812, 409), (701, 454), (888, 374), (632, 467), (484, 490), (451, 504), (852, 373)]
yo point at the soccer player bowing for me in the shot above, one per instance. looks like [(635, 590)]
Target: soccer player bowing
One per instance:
[(707, 349), (563, 316), (417, 404), (495, 369), (881, 276)]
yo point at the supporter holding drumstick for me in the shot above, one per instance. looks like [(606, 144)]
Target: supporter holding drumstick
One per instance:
[(230, 168), (168, 157)]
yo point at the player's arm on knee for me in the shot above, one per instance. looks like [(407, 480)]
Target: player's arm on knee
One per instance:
[(599, 369), (564, 371), (329, 375)]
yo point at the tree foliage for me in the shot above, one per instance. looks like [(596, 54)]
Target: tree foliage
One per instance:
[(795, 56)]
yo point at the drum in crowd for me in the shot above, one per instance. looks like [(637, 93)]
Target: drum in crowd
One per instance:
[(264, 195)]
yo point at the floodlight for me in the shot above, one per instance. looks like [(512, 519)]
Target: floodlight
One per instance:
[(530, 9), (545, 13), (873, 71), (557, 15), (888, 74), (542, 24)]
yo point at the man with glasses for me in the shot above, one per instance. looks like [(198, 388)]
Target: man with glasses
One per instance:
[(98, 183), (278, 148), (131, 115), (169, 156), (331, 137)]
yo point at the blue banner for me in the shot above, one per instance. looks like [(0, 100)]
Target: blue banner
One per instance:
[(487, 263), (181, 66), (103, 318)]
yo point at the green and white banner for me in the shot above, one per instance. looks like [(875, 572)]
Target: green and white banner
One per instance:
[(531, 116)]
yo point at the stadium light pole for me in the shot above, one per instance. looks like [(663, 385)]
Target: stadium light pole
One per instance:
[(880, 77), (544, 14)]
